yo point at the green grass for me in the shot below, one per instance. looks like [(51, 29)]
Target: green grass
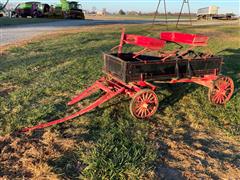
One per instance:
[(18, 21), (39, 78)]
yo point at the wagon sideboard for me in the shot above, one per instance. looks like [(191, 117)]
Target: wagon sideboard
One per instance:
[(152, 68)]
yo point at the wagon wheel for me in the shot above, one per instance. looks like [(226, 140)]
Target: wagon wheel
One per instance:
[(221, 91), (144, 104)]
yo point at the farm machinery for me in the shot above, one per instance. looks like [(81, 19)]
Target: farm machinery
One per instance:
[(211, 12), (67, 9), (133, 74), (70, 9), (32, 9)]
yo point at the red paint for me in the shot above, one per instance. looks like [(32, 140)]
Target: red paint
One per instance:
[(204, 81), (184, 38), (149, 44)]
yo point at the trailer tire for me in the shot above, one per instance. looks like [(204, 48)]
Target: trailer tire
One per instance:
[(144, 104)]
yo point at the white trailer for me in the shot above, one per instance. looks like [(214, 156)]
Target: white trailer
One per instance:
[(207, 12)]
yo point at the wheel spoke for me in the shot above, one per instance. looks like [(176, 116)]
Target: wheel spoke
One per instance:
[(138, 109), (142, 113), (229, 88), (140, 98), (215, 97), (145, 112), (217, 86), (148, 95), (151, 97), (151, 108), (148, 111), (143, 96), (138, 112), (221, 99), (225, 96)]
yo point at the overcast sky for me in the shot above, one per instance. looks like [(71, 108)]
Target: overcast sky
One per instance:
[(150, 5)]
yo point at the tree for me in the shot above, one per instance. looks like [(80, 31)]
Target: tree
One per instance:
[(121, 12)]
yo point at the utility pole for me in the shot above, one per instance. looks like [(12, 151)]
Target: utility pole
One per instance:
[(3, 4), (190, 18), (165, 11)]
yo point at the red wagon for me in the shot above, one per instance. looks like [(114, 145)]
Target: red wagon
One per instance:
[(132, 73)]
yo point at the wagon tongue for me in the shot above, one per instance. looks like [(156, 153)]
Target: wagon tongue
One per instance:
[(110, 89)]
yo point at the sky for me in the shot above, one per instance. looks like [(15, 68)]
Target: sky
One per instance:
[(226, 6)]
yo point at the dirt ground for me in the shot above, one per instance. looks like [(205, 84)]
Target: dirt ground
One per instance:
[(193, 154)]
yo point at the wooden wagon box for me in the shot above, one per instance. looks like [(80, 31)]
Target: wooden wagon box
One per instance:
[(152, 68)]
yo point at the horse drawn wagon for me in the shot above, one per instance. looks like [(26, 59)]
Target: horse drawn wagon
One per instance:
[(132, 74)]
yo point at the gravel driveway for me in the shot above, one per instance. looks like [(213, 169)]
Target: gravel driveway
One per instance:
[(11, 34)]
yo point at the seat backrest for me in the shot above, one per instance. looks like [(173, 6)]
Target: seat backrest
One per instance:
[(184, 38), (143, 41)]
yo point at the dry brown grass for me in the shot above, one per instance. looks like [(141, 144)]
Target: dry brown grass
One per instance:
[(27, 155)]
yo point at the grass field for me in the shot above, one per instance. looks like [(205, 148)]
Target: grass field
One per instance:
[(18, 21), (187, 138)]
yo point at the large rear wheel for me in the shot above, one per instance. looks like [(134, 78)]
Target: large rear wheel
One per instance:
[(221, 91), (144, 104)]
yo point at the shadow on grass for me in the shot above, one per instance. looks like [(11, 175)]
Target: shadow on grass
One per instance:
[(192, 153), (121, 146), (70, 164), (178, 91), (232, 65), (215, 148), (116, 140)]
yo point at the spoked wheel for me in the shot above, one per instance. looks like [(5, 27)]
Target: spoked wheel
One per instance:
[(144, 104), (222, 90)]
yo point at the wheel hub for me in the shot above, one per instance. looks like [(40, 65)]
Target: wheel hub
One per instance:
[(144, 105)]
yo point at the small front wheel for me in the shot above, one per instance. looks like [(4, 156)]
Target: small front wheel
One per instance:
[(221, 91), (144, 104)]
